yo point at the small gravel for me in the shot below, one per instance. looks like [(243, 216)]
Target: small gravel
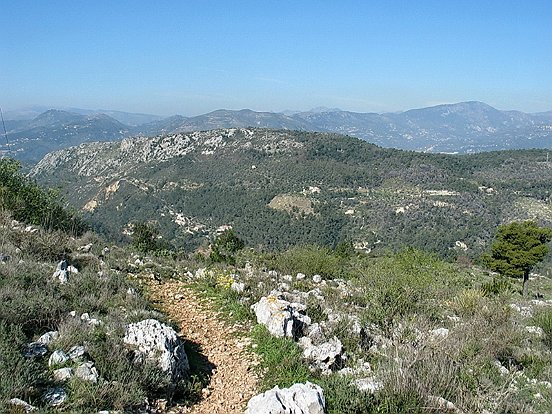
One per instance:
[(233, 381)]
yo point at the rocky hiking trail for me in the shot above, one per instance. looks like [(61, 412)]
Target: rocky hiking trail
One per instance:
[(224, 356)]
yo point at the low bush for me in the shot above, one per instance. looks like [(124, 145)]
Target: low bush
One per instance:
[(543, 319)]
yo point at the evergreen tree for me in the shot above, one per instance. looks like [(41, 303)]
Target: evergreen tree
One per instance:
[(517, 248)]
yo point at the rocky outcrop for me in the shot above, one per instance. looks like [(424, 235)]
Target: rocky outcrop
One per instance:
[(158, 342), (63, 271), (55, 396), (281, 317), (325, 356), (298, 399)]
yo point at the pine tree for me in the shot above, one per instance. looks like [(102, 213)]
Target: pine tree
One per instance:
[(517, 248)]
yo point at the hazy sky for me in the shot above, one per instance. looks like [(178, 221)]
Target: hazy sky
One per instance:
[(191, 57)]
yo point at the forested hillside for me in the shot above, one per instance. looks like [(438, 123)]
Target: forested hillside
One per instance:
[(280, 188)]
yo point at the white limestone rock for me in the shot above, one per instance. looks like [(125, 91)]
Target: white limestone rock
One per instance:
[(58, 357), (159, 342), (325, 356), (238, 287), (537, 330), (298, 399), (48, 337), (87, 372), (23, 405), (62, 374), (55, 396), (62, 272), (369, 384), (76, 353), (281, 317), (439, 333)]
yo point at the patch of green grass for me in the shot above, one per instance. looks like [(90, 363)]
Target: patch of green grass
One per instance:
[(281, 360), (21, 377)]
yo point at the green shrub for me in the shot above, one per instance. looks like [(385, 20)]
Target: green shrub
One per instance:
[(31, 204), (402, 285), (543, 319), (145, 237), (21, 377), (310, 260), (496, 286)]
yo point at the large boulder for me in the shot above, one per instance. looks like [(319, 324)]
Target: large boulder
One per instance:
[(158, 342), (298, 399), (281, 317)]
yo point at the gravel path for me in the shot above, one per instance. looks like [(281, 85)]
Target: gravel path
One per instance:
[(233, 381)]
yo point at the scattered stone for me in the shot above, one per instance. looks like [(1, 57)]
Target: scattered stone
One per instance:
[(283, 287), (501, 368), (76, 353), (298, 399), (287, 278), (159, 342), (537, 330), (361, 368), (4, 258), (272, 273), (300, 276), (85, 317), (58, 357), (63, 374), (22, 404), (238, 287), (326, 356), (55, 396), (439, 333), (63, 271), (317, 279), (525, 311), (281, 317), (48, 337), (131, 291), (370, 384), (87, 372), (178, 296), (86, 248), (441, 404), (35, 349)]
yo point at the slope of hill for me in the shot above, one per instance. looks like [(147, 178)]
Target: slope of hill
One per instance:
[(465, 127), (55, 129), (280, 188)]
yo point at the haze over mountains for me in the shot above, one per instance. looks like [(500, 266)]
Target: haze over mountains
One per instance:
[(452, 128)]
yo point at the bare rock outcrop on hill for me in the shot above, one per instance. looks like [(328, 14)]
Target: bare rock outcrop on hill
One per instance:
[(159, 342)]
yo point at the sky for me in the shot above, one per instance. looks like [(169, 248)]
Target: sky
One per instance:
[(192, 57)]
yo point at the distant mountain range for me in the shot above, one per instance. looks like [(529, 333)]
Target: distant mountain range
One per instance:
[(465, 127)]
